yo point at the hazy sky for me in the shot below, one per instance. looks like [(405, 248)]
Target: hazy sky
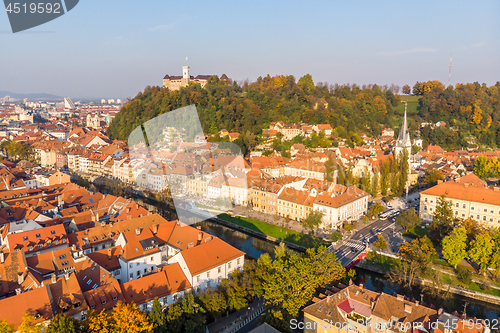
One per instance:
[(114, 48)]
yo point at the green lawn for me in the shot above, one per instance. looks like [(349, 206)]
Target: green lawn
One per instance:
[(449, 279), (275, 231), (383, 262), (415, 232)]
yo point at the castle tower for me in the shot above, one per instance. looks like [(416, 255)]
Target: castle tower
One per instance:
[(185, 72)]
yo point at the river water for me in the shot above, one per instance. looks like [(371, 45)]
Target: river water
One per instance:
[(255, 247)]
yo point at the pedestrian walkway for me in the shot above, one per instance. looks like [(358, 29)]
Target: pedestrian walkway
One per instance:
[(238, 319)]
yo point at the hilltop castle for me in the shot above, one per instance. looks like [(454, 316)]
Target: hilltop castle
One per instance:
[(175, 82)]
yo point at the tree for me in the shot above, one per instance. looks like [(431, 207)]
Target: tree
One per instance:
[(313, 220), (193, 313), (128, 318), (5, 327), (380, 243), (375, 209), (366, 180), (406, 89), (481, 250), (404, 169), (384, 177), (99, 322), (455, 246), (375, 184), (341, 173), (472, 227), (292, 280), (27, 326), (408, 219), (214, 302), (62, 323), (330, 169), (335, 236), (432, 175), (157, 317), (481, 167), (441, 223), (419, 250)]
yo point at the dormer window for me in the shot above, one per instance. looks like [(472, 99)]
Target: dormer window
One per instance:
[(25, 238), (38, 236)]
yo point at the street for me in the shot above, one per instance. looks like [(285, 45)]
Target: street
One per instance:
[(347, 250)]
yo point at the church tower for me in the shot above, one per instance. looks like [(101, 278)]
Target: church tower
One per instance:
[(404, 141)]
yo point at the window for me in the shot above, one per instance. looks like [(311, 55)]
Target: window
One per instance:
[(456, 212), (425, 199), (138, 273), (152, 258), (208, 275), (229, 265), (472, 208), (130, 265), (198, 278), (484, 218), (463, 215), (456, 205), (145, 270), (219, 270), (478, 217), (131, 275), (464, 206), (485, 210), (238, 262), (94, 286), (89, 282)]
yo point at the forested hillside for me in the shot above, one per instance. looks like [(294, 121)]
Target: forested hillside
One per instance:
[(468, 109)]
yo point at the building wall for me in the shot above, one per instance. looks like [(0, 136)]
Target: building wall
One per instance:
[(485, 213)]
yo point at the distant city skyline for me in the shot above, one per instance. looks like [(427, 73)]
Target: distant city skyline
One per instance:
[(102, 50)]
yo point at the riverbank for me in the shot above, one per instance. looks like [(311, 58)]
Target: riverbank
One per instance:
[(382, 264), (270, 230)]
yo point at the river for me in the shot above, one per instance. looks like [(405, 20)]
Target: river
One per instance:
[(254, 247)]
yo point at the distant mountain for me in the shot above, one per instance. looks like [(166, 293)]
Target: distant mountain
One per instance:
[(39, 96)]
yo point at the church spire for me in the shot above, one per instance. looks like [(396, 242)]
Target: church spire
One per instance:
[(404, 135)]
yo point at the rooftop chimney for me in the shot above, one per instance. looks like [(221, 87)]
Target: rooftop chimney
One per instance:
[(361, 286), (128, 210), (20, 278), (53, 278), (2, 257), (155, 228), (440, 181), (109, 253), (400, 297), (417, 302), (138, 231), (440, 311), (350, 282), (408, 308), (200, 236), (66, 275), (18, 291)]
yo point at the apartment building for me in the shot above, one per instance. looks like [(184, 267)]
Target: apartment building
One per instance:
[(470, 197)]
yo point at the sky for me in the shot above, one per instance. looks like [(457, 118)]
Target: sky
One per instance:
[(115, 48)]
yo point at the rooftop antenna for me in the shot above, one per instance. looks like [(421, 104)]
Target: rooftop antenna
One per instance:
[(449, 73)]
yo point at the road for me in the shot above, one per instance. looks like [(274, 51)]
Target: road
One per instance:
[(346, 251)]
